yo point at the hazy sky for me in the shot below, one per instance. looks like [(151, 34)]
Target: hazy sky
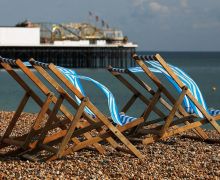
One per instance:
[(174, 25)]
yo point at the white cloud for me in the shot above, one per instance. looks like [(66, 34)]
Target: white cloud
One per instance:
[(158, 8)]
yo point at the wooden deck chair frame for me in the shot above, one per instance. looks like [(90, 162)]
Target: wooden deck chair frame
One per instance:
[(210, 119), (112, 130), (156, 97), (118, 73), (136, 93), (27, 145), (79, 113), (23, 141), (190, 124)]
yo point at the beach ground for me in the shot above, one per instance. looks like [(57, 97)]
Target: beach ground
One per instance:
[(176, 158)]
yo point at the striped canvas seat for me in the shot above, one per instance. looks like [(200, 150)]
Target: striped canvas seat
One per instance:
[(186, 79), (118, 118), (191, 84)]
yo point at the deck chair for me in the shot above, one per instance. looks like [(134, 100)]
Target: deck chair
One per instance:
[(181, 115), (121, 121), (183, 83), (28, 142), (23, 141)]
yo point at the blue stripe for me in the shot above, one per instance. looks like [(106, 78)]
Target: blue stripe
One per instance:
[(190, 83), (75, 80), (187, 80), (122, 119)]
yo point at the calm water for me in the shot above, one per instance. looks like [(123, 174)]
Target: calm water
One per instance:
[(203, 67)]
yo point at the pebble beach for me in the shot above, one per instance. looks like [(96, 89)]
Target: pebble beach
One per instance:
[(176, 158)]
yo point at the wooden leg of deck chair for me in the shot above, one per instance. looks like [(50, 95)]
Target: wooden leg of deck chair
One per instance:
[(175, 131), (54, 83), (214, 124), (173, 111), (129, 103), (15, 117), (115, 131), (147, 112), (83, 129), (125, 141), (39, 119), (47, 126), (135, 91), (72, 127), (26, 87), (199, 131), (50, 120), (188, 93), (104, 135), (152, 104), (99, 115)]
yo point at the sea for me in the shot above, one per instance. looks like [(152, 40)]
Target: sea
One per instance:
[(203, 67)]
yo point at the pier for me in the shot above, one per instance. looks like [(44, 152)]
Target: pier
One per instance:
[(80, 45), (82, 57)]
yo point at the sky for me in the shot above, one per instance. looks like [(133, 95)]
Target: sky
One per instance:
[(155, 25)]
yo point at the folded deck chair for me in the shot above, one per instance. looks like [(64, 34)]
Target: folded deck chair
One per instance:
[(121, 122), (187, 89), (23, 141), (180, 116), (33, 139), (194, 101)]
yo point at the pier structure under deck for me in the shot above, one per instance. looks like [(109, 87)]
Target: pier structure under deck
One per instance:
[(66, 56)]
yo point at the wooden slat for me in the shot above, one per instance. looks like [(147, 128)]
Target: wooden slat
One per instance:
[(98, 114), (141, 96), (151, 91), (50, 119), (70, 100), (152, 104), (26, 87), (129, 103), (189, 94), (38, 120), (148, 110), (170, 117), (157, 82), (71, 128), (41, 86), (175, 131), (16, 116), (97, 139)]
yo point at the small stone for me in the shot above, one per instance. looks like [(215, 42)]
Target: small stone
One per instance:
[(100, 172)]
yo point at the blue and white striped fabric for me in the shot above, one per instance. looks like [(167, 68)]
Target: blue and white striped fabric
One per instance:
[(26, 63), (186, 79), (71, 75), (190, 83)]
